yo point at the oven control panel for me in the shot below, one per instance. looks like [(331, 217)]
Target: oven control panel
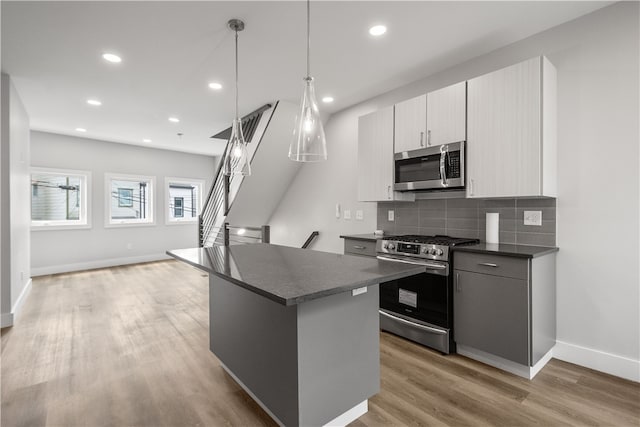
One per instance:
[(419, 250)]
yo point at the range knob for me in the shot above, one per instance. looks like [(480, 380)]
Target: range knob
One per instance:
[(432, 251), (425, 250), (439, 252), (391, 246)]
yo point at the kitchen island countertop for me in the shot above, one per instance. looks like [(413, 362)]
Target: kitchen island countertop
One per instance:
[(290, 275)]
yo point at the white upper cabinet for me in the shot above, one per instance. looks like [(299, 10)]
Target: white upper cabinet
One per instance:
[(411, 124), (439, 117), (446, 115), (375, 158), (511, 150)]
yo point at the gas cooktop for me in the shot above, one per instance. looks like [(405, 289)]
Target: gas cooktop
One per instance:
[(433, 240)]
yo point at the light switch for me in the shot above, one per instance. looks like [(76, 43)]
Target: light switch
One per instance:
[(359, 215), (391, 215), (338, 210), (347, 214), (532, 217)]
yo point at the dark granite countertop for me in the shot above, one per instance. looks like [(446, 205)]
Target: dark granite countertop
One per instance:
[(368, 237), (518, 251), (289, 275)]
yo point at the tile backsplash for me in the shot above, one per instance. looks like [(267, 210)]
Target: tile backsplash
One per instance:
[(466, 218)]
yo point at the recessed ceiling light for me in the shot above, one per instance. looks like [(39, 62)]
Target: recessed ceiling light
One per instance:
[(174, 120), (215, 86), (112, 57), (377, 30), (146, 140), (81, 130), (327, 99), (94, 102)]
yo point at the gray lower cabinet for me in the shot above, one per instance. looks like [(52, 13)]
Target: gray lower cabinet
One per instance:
[(505, 306), (491, 313), (359, 247)]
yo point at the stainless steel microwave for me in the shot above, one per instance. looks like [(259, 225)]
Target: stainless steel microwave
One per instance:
[(432, 168)]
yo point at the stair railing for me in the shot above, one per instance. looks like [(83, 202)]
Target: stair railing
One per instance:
[(240, 234), (309, 240), (218, 201)]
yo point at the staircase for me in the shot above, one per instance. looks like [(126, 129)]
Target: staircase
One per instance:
[(251, 200)]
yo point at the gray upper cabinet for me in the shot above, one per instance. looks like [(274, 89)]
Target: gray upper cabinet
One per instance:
[(447, 114), (375, 158), (439, 117), (511, 131), (411, 124)]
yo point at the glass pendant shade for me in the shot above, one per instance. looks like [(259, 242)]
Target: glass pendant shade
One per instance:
[(236, 162), (309, 143)]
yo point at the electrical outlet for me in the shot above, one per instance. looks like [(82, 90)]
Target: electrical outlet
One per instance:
[(532, 217), (347, 214), (359, 215), (129, 246), (391, 215), (359, 291)]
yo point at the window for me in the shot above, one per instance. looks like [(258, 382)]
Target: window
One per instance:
[(125, 197), (129, 200), (178, 202), (59, 199), (184, 200)]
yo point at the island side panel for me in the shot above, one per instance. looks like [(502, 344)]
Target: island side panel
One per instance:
[(256, 339), (543, 306), (339, 354)]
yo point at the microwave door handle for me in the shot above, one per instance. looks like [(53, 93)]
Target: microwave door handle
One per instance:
[(443, 169)]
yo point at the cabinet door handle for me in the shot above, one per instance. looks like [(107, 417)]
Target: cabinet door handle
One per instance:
[(388, 192), (421, 139), (428, 137), (359, 247), (458, 289), (488, 264), (470, 187)]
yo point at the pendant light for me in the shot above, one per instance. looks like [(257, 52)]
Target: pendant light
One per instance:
[(308, 144), (236, 161)]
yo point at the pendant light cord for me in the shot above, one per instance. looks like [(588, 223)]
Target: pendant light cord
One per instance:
[(236, 74), (308, 36)]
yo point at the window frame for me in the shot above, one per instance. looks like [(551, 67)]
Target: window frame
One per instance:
[(129, 222), (84, 221), (199, 199)]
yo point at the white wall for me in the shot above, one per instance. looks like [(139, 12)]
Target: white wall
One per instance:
[(55, 251), (596, 57), (15, 202)]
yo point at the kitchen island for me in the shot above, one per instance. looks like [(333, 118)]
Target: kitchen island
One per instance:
[(297, 329)]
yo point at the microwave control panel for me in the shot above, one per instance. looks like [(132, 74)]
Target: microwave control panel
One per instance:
[(453, 163)]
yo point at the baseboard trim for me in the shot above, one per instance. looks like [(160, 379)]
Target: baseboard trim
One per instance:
[(17, 307), (91, 265), (6, 320), (253, 396), (518, 369), (608, 363)]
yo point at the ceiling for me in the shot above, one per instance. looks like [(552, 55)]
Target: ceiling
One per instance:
[(172, 50)]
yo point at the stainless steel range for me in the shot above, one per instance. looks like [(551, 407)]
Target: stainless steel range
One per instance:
[(420, 307)]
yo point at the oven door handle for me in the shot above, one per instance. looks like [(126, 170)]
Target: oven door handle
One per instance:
[(423, 264), (416, 325)]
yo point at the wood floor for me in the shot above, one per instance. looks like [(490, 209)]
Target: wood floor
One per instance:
[(129, 346)]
